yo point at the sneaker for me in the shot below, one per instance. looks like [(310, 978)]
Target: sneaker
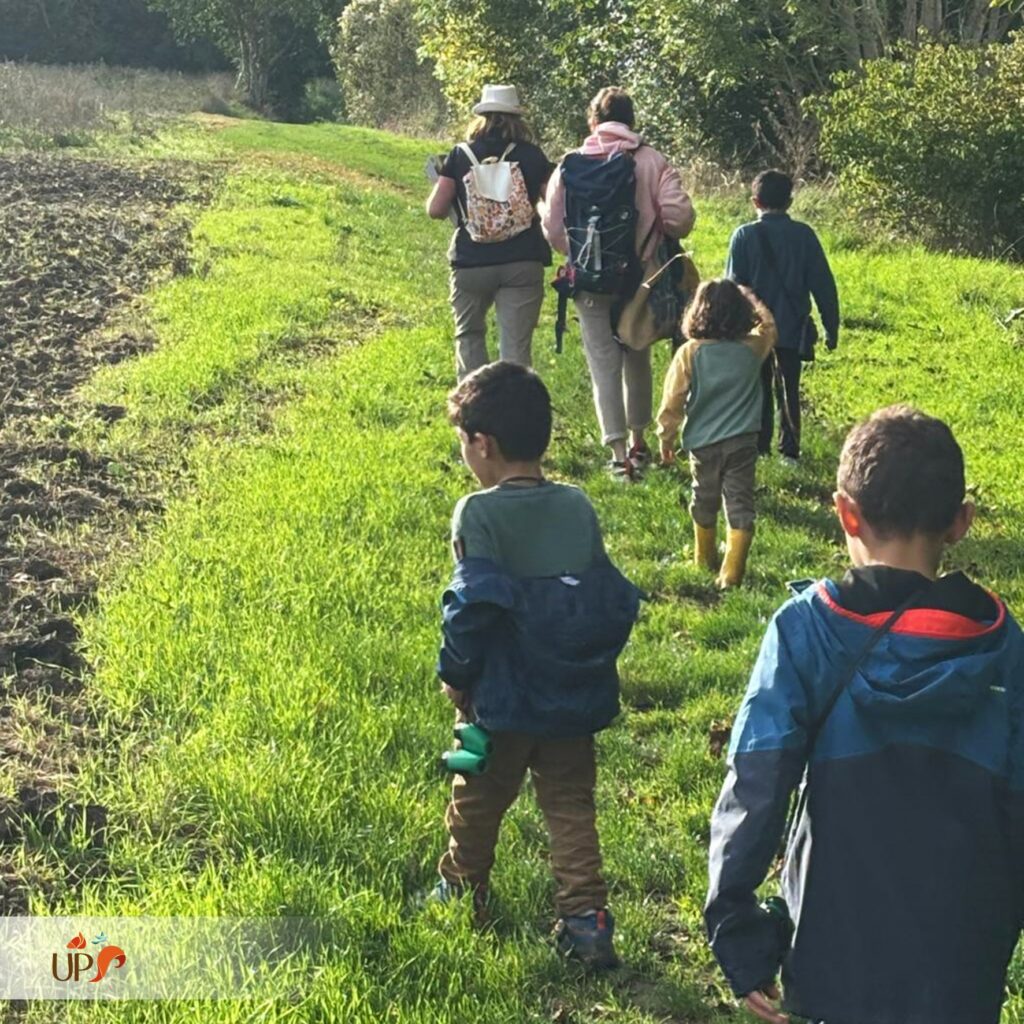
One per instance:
[(448, 892), (623, 472), (640, 455), (790, 461), (588, 939)]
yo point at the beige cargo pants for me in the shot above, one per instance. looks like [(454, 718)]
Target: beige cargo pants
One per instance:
[(621, 376), (516, 290)]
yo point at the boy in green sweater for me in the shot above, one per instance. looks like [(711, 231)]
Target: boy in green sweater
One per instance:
[(713, 388), (533, 621)]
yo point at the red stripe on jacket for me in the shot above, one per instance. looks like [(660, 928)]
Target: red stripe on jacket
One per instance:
[(928, 622)]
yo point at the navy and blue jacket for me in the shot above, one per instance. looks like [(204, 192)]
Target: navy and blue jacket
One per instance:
[(538, 654), (904, 868), (800, 263)]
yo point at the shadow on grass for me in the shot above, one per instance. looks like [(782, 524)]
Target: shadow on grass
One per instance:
[(984, 557), (819, 521)]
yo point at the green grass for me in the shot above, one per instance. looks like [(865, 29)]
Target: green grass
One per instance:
[(265, 669)]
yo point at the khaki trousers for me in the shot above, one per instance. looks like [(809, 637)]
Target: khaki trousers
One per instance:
[(564, 775), (621, 376), (726, 469), (516, 290)]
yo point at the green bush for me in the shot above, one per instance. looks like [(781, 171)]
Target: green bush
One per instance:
[(933, 144), (384, 80)]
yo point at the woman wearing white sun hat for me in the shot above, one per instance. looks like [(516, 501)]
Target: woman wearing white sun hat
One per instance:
[(498, 252)]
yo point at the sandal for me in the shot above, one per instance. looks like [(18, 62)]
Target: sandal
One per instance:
[(640, 455)]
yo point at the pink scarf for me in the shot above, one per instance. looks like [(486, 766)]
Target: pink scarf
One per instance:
[(610, 138)]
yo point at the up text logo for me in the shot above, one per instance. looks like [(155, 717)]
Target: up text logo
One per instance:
[(79, 963)]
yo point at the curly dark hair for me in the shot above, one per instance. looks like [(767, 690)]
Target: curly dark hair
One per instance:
[(510, 403), (905, 470), (719, 310)]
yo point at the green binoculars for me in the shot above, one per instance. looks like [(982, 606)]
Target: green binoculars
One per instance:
[(470, 757)]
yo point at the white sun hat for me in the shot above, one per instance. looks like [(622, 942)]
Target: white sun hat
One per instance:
[(498, 99)]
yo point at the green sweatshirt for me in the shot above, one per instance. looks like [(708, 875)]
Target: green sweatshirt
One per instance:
[(548, 529), (714, 388)]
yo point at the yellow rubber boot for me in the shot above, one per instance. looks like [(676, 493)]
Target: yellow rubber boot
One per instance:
[(737, 547), (705, 546)]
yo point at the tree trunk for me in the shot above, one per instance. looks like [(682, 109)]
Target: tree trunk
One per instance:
[(849, 34), (253, 67), (908, 30), (998, 25), (874, 32), (974, 24), (931, 17)]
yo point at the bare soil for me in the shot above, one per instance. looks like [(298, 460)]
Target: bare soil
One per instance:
[(79, 239)]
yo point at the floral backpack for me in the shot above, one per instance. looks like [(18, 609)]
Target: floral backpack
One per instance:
[(498, 205)]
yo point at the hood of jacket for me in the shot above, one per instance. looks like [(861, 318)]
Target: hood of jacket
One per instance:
[(931, 663), (610, 138)]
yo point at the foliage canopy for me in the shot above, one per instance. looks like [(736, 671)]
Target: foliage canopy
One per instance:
[(260, 36), (721, 77), (384, 80), (933, 144)]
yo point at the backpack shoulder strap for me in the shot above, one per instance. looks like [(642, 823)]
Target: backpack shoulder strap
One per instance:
[(508, 149), (468, 150)]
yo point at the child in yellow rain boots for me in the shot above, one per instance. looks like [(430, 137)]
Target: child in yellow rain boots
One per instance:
[(713, 388)]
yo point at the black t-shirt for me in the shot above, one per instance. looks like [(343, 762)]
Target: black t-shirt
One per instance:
[(530, 244)]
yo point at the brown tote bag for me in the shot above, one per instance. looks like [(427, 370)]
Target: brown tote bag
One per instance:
[(655, 309)]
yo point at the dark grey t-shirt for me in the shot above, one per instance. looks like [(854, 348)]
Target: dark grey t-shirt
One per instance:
[(545, 530), (530, 244)]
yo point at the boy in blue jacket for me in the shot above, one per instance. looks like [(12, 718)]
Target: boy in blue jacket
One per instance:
[(899, 692), (533, 621), (782, 260)]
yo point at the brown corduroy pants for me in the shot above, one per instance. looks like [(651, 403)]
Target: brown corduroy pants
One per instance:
[(726, 469), (564, 774)]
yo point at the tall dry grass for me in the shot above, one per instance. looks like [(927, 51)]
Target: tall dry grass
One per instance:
[(64, 104)]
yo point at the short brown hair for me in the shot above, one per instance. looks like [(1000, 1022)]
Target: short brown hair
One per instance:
[(905, 471), (507, 127), (510, 403), (613, 104), (719, 310), (773, 190)]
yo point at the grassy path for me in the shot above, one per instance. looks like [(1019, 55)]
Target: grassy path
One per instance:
[(267, 666)]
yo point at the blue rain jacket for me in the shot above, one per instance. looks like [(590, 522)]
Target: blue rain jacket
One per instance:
[(537, 653), (904, 869)]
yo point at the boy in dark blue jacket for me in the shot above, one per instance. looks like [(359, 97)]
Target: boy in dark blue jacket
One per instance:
[(533, 622), (782, 260), (899, 692)]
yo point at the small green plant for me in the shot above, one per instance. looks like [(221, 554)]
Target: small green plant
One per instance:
[(931, 144)]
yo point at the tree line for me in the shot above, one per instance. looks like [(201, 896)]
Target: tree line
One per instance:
[(916, 104)]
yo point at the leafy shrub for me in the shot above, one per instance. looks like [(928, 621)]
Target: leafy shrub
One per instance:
[(933, 144), (383, 79)]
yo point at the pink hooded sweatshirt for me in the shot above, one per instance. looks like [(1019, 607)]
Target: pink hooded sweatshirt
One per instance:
[(661, 201)]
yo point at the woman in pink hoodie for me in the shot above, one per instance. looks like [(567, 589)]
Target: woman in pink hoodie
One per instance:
[(621, 376)]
